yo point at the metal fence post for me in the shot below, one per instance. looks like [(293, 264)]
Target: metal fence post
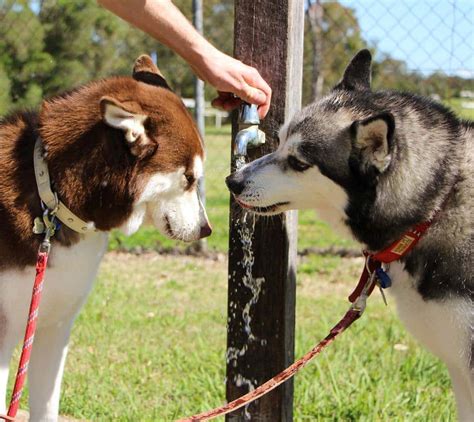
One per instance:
[(199, 105)]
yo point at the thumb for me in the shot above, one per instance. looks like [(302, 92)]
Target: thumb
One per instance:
[(251, 95)]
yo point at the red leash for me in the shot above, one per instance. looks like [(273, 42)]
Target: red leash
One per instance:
[(353, 314), (371, 276), (41, 263), (29, 333)]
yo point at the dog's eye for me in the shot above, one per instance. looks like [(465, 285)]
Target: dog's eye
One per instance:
[(296, 164), (190, 179)]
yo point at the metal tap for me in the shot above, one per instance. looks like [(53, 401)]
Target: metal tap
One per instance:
[(249, 135)]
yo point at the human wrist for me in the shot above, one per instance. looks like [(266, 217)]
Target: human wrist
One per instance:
[(202, 56)]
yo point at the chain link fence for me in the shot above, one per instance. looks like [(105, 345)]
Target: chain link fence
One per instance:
[(48, 46)]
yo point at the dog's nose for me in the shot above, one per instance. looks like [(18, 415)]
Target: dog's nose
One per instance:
[(234, 185), (206, 231)]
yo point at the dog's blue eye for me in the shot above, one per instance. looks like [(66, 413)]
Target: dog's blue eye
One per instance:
[(296, 164)]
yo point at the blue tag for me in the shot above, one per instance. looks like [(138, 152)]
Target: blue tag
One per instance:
[(383, 277)]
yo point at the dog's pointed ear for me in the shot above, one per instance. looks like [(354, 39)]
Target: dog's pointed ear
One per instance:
[(146, 71), (372, 143), (358, 73), (131, 121)]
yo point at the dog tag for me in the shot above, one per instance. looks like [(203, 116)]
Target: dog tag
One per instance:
[(383, 278), (38, 226)]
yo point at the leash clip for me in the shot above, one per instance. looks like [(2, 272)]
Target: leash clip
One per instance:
[(47, 224), (50, 226), (360, 302)]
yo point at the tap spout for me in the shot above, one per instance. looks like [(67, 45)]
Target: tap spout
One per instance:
[(249, 137)]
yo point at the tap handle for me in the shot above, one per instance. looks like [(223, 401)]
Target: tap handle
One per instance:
[(249, 114)]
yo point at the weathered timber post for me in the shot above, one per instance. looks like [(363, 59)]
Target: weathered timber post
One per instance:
[(268, 35)]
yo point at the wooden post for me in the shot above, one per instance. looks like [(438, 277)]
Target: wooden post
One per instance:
[(269, 36)]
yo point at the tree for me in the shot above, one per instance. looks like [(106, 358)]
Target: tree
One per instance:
[(315, 13), (87, 43), (332, 37), (49, 46), (5, 100), (22, 57)]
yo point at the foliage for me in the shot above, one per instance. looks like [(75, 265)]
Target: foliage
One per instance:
[(390, 73), (338, 39), (22, 54), (49, 46), (338, 36)]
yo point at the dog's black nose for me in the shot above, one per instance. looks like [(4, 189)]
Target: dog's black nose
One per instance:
[(206, 231), (235, 186)]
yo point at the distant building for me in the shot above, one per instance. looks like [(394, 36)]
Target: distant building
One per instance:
[(219, 116), (466, 94)]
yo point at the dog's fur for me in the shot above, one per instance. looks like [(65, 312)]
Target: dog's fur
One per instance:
[(120, 151), (374, 164)]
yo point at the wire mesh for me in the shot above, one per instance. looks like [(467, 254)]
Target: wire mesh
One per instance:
[(49, 46)]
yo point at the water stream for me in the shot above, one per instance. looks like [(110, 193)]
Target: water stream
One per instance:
[(246, 227)]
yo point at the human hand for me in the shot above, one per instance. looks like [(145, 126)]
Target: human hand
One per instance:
[(233, 79)]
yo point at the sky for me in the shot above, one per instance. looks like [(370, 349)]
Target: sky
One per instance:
[(428, 35)]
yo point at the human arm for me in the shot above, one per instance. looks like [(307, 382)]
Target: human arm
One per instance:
[(163, 21)]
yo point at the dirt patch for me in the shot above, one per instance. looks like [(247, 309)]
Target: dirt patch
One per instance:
[(151, 256), (195, 251), (24, 416), (163, 268), (337, 280)]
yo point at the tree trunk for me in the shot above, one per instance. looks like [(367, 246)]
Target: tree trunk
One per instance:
[(315, 18)]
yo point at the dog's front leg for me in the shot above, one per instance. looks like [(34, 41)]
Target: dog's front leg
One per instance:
[(46, 371), (3, 386), (6, 351), (460, 379)]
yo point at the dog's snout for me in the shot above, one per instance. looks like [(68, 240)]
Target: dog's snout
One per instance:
[(206, 231), (235, 186)]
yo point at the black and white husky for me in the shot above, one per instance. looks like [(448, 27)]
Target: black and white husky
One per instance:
[(375, 164)]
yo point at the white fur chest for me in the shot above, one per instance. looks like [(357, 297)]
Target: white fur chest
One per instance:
[(443, 326), (68, 280)]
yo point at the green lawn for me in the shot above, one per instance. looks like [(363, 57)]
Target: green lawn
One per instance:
[(150, 343), (457, 105), (150, 346)]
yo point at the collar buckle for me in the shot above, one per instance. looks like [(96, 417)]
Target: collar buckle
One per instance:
[(50, 201)]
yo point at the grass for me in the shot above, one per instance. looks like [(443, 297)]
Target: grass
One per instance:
[(456, 104), (150, 346), (150, 343)]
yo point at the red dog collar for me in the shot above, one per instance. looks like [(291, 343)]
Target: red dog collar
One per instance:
[(398, 249)]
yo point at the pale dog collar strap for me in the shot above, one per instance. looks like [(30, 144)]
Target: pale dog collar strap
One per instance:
[(50, 199)]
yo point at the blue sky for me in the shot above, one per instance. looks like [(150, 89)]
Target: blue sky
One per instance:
[(428, 35)]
